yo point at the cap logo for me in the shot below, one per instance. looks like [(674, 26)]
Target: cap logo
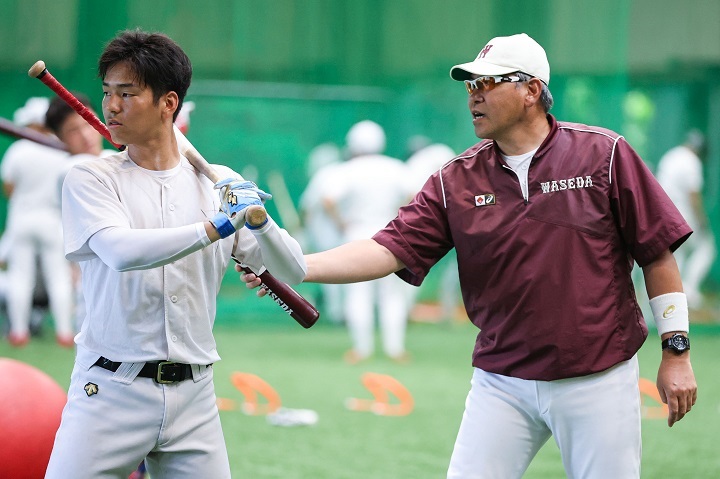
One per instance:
[(485, 51)]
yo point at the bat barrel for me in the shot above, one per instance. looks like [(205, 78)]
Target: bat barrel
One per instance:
[(289, 300), (10, 128)]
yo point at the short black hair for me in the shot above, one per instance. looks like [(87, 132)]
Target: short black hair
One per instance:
[(157, 61), (58, 111)]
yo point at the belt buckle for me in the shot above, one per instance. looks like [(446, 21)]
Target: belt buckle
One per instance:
[(158, 376)]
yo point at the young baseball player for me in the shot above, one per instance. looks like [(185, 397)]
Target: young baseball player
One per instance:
[(152, 263), (544, 216)]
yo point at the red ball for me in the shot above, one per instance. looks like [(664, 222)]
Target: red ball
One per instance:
[(31, 404)]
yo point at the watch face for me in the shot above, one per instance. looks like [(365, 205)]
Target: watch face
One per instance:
[(680, 342)]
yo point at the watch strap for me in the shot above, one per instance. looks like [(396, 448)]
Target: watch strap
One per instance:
[(669, 343)]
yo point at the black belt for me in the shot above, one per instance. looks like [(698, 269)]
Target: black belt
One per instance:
[(162, 372)]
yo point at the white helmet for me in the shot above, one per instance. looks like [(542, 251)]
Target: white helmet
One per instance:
[(33, 113), (365, 138)]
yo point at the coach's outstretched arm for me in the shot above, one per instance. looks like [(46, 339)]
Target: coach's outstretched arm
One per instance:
[(361, 260), (676, 380)]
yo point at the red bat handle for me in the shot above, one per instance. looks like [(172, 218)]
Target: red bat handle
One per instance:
[(41, 73), (287, 298)]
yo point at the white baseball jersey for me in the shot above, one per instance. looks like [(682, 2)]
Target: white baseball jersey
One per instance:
[(321, 229), (153, 314), (33, 170), (680, 172), (368, 191), (427, 161)]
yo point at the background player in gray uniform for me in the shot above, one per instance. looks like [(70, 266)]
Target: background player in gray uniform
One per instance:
[(544, 216), (152, 264)]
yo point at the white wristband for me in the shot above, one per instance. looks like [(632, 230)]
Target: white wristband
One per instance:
[(670, 312)]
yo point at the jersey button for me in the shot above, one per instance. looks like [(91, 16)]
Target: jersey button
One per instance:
[(172, 207), (174, 338), (173, 298)]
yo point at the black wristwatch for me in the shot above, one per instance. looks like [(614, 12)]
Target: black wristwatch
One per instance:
[(677, 343)]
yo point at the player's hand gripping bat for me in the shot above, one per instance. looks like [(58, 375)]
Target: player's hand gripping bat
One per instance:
[(287, 298)]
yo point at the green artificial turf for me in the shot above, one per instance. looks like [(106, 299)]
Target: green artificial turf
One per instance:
[(306, 368)]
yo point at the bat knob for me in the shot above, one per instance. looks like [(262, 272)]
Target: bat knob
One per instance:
[(37, 69), (255, 215)]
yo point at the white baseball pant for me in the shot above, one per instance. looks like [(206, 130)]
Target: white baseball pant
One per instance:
[(389, 295), (174, 427), (48, 243), (594, 419)]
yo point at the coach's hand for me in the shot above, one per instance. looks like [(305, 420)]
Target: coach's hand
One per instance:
[(676, 385)]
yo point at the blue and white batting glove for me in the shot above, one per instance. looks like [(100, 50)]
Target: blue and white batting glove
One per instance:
[(235, 197)]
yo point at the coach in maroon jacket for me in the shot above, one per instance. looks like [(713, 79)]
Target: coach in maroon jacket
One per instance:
[(547, 218)]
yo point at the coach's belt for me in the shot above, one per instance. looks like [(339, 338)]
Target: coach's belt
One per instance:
[(162, 372)]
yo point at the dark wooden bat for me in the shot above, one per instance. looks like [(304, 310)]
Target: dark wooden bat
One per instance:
[(11, 129)]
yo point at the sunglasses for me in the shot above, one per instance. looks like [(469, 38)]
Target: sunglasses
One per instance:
[(487, 83)]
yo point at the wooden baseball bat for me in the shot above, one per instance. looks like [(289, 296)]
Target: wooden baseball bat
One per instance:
[(10, 128), (287, 298)]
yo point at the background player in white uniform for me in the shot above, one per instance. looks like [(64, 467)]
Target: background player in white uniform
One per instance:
[(426, 159), (366, 192), (320, 231), (30, 175), (543, 263), (152, 264), (680, 172)]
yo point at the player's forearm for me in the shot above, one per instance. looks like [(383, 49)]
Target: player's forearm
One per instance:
[(361, 260), (662, 275), (281, 253), (128, 249)]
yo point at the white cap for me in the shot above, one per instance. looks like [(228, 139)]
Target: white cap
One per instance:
[(365, 138), (33, 113), (322, 155), (503, 55)]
